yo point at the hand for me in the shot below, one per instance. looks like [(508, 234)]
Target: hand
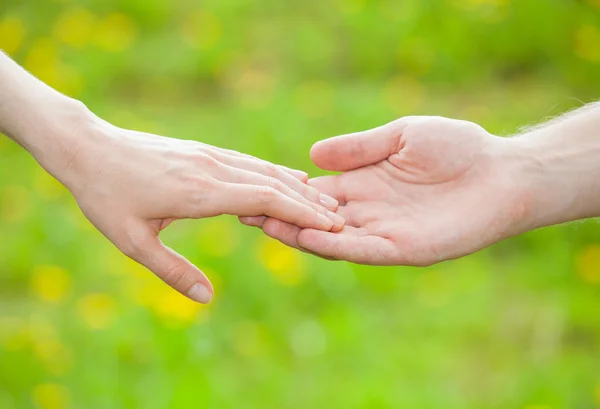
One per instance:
[(131, 185), (416, 191)]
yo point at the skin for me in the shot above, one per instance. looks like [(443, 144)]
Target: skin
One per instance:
[(421, 190), (131, 185)]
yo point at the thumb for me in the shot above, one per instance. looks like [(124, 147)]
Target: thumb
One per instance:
[(359, 149), (174, 269)]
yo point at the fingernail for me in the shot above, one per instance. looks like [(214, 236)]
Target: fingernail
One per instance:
[(298, 174), (338, 221), (328, 201), (327, 222), (200, 293)]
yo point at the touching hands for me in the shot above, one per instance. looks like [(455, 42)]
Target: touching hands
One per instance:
[(415, 191)]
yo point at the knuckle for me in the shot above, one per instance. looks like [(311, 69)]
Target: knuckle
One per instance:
[(131, 246), (266, 194), (194, 185), (310, 192), (275, 184), (207, 161), (174, 274), (271, 170)]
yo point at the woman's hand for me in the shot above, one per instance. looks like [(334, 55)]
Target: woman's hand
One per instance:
[(131, 185)]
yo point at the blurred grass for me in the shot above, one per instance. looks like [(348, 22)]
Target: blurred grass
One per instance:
[(80, 326)]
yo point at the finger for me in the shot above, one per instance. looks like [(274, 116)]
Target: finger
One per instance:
[(330, 185), (288, 233), (253, 221), (284, 232), (359, 214), (301, 192), (298, 174), (343, 246), (175, 270), (252, 200), (359, 149)]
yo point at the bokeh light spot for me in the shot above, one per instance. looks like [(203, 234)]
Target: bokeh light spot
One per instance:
[(43, 62), (286, 264), (587, 43), (74, 27), (588, 264), (174, 308), (97, 310), (12, 34), (115, 32), (51, 396), (308, 339), (50, 283)]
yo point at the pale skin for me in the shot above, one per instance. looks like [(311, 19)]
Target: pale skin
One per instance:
[(131, 185), (421, 190)]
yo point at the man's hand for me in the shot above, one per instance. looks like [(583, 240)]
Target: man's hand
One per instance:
[(416, 191)]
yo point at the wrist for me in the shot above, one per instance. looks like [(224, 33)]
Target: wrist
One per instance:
[(558, 179), (56, 134)]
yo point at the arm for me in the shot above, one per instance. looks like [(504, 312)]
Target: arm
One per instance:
[(421, 190), (560, 160), (131, 185)]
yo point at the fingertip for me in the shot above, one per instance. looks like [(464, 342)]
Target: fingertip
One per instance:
[(328, 201), (252, 221), (318, 154), (201, 293), (298, 174), (325, 222)]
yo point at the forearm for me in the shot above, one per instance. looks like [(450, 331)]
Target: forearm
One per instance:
[(36, 116), (560, 166)]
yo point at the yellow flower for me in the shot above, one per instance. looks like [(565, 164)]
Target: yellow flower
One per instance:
[(588, 264), (286, 264), (597, 394), (51, 396), (12, 34), (97, 310), (74, 26), (115, 33), (50, 283)]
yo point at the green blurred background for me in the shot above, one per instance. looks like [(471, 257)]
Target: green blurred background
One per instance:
[(514, 326)]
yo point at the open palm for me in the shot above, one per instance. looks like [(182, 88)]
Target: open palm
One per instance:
[(415, 191)]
